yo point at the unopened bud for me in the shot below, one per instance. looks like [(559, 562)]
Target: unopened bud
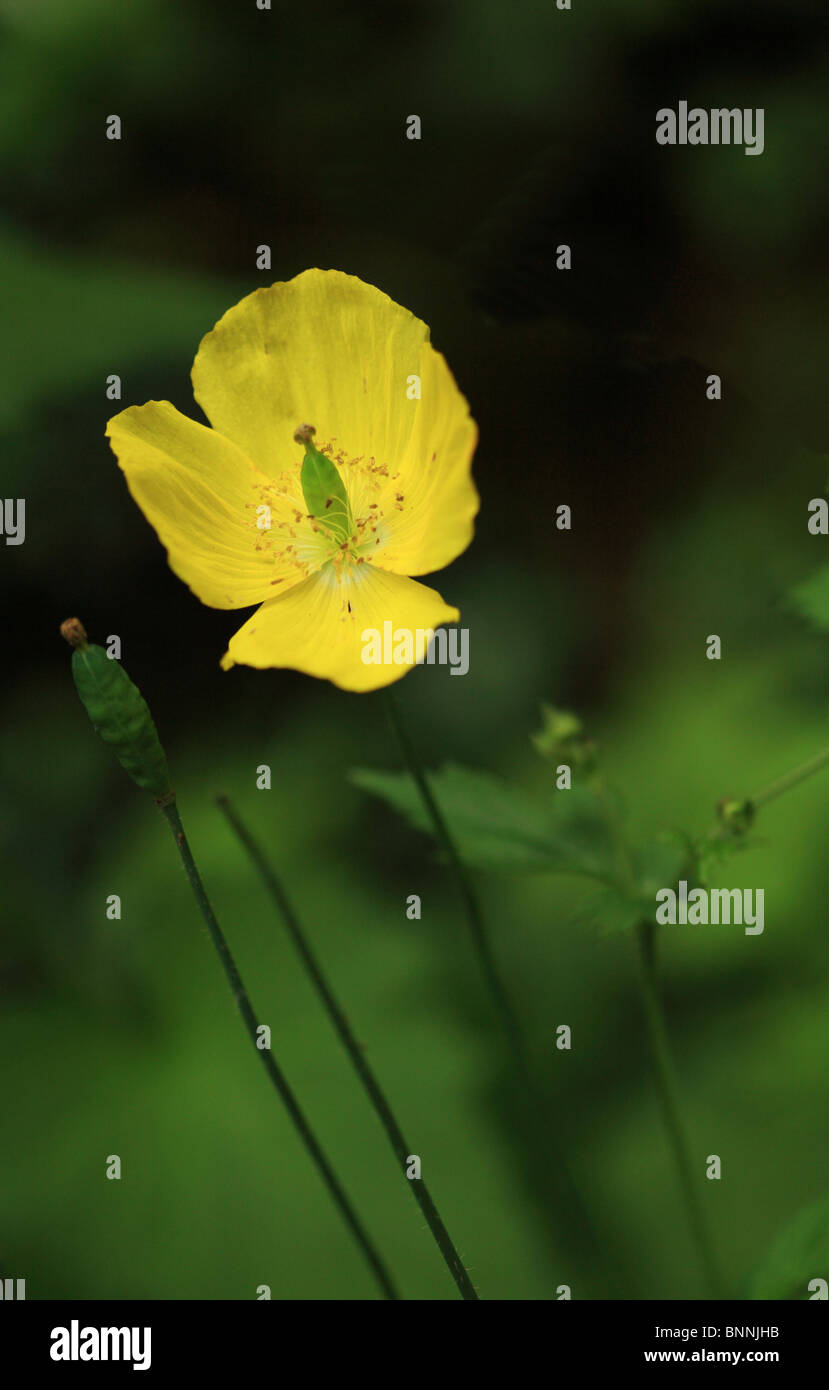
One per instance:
[(118, 711)]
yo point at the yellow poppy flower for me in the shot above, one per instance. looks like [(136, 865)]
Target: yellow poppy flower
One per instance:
[(327, 367)]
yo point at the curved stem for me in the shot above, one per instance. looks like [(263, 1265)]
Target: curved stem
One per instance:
[(668, 1095), (375, 1094), (240, 994)]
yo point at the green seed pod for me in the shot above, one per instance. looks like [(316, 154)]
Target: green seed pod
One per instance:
[(323, 488), (118, 711)]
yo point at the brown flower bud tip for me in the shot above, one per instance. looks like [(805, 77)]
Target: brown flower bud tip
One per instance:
[(303, 434), (74, 632)]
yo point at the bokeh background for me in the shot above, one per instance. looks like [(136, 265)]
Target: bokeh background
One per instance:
[(689, 517)]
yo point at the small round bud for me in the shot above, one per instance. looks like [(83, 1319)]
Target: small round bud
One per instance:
[(738, 816), (562, 736)]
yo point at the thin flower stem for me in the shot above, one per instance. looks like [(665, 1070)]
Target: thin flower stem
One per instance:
[(475, 918), (280, 1084), (558, 1176), (661, 1049), (668, 1095), (791, 779), (375, 1094)]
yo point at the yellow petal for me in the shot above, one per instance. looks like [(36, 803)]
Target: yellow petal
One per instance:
[(201, 494), (429, 501), (320, 627), (328, 350)]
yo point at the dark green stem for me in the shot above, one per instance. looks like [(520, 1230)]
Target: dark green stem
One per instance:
[(660, 1046), (375, 1094), (557, 1174), (668, 1096), (474, 915), (240, 994)]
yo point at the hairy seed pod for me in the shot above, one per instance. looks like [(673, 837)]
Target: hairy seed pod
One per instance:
[(118, 711)]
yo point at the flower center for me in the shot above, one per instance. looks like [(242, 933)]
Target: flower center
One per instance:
[(348, 537), (327, 523)]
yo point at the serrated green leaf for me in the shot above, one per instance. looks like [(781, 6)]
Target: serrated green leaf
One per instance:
[(661, 862), (496, 826), (799, 1255), (609, 910)]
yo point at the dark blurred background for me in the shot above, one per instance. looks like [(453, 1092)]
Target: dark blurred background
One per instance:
[(288, 127)]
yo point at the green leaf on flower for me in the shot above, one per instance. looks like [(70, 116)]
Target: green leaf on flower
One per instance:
[(799, 1255), (495, 826), (324, 493), (811, 598)]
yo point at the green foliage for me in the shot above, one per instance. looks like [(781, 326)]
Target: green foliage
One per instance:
[(121, 716), (799, 1255), (124, 255), (713, 851), (609, 909), (494, 825), (561, 738), (579, 831), (811, 598), (662, 859), (620, 905), (498, 827), (161, 315)]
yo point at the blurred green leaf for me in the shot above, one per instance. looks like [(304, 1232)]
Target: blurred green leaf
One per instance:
[(811, 598), (74, 319), (562, 737), (661, 861), (496, 826), (609, 910), (714, 851), (799, 1255)]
